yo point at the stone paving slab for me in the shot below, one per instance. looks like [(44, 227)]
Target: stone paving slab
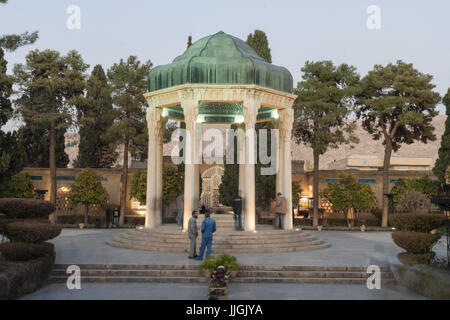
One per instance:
[(76, 246)]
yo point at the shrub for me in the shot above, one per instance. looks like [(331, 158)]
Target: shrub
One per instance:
[(20, 186), (415, 258), (229, 262), (417, 222), (209, 263), (377, 213), (26, 208), (414, 202), (17, 251), (415, 242), (32, 231)]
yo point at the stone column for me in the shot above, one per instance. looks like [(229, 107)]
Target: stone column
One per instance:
[(251, 107), (241, 162), (161, 124), (280, 161), (286, 123), (198, 153), (150, 213), (190, 109)]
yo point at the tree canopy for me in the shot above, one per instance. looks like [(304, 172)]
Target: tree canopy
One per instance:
[(397, 105)]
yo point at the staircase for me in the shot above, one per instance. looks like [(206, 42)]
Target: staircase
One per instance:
[(223, 221), (123, 273), (171, 239)]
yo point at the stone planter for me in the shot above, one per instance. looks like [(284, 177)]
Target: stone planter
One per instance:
[(81, 225), (319, 228), (233, 274), (212, 289), (363, 228)]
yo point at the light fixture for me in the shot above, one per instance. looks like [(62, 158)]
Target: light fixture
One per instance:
[(275, 114), (200, 119), (165, 112), (239, 119)]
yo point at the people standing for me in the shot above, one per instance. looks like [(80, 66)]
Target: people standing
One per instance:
[(236, 203), (180, 209), (280, 209), (208, 228), (116, 216), (193, 233)]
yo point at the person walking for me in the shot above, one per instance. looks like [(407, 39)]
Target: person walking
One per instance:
[(236, 203), (280, 209), (180, 209), (208, 228), (193, 233), (116, 216)]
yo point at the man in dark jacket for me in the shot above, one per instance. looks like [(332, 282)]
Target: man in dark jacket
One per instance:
[(208, 228), (193, 233), (236, 203)]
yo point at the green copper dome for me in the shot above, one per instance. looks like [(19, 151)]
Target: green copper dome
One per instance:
[(220, 59)]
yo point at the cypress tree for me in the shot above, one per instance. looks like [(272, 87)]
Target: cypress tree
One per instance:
[(258, 41), (443, 162)]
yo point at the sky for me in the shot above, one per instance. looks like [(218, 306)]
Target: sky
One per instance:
[(416, 32)]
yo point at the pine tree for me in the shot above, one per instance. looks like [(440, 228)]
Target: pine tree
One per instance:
[(128, 82), (189, 44), (95, 117), (50, 86), (12, 155), (443, 162), (397, 105), (322, 110), (14, 41), (258, 41)]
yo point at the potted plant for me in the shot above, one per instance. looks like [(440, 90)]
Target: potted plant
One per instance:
[(208, 266), (219, 283), (319, 228), (363, 228), (81, 225)]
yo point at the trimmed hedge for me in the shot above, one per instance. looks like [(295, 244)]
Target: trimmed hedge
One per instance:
[(415, 242), (32, 231), (26, 208), (417, 222), (17, 251), (19, 278), (411, 259)]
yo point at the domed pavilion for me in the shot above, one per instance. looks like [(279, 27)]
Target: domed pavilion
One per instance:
[(219, 79)]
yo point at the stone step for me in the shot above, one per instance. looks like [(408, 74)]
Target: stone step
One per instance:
[(238, 235), (220, 244), (321, 244), (219, 240), (310, 280), (309, 274), (131, 273), (132, 279), (116, 273)]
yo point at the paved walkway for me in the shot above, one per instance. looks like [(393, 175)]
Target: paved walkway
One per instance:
[(237, 291), (75, 246), (348, 248)]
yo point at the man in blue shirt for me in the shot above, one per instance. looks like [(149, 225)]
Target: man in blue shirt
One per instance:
[(208, 228)]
